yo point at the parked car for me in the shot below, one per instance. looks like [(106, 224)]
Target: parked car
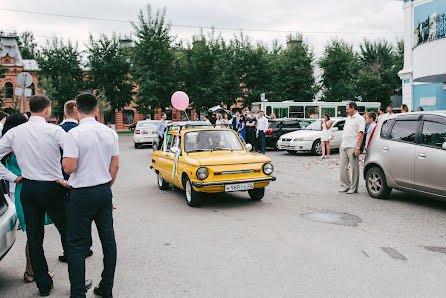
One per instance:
[(279, 127), (145, 133), (408, 152), (8, 222), (309, 138), (210, 160)]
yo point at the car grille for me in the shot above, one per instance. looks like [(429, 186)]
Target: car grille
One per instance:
[(286, 140)]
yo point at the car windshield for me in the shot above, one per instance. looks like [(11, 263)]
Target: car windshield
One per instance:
[(316, 125), (211, 140), (147, 124)]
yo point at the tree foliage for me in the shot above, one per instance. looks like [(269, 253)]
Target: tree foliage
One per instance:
[(109, 71), (340, 66), (28, 45), (60, 74), (153, 60)]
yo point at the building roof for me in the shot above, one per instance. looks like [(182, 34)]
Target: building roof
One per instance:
[(9, 47)]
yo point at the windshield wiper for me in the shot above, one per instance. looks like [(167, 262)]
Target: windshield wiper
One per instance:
[(221, 148), (199, 150)]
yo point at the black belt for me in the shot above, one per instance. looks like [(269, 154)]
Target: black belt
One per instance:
[(38, 181), (88, 187)]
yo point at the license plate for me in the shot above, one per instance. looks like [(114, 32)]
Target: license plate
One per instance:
[(239, 187), (286, 144)]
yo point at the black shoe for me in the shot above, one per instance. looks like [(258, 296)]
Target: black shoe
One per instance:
[(46, 293), (98, 291), (64, 258), (88, 284)]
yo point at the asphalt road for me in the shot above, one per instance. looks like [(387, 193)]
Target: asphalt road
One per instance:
[(234, 247)]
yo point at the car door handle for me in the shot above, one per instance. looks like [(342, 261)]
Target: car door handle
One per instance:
[(385, 149), (421, 155)]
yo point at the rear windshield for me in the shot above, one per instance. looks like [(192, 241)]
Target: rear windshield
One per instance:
[(273, 124), (148, 124), (385, 128)]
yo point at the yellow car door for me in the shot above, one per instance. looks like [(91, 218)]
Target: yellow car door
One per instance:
[(164, 160)]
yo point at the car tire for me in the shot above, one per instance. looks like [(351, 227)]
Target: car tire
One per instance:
[(193, 198), (291, 152), (256, 194), (376, 184), (162, 184), (316, 149), (136, 146)]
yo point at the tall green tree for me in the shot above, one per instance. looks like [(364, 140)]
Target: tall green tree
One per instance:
[(340, 66), (378, 78), (153, 59), (61, 75), (109, 71), (27, 45), (294, 74)]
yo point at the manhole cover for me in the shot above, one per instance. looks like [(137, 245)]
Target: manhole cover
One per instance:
[(344, 219)]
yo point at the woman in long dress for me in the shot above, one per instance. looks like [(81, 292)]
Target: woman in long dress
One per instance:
[(327, 131), (242, 128), (11, 164), (219, 123)]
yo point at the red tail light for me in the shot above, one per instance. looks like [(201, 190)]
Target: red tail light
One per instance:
[(137, 132), (269, 131)]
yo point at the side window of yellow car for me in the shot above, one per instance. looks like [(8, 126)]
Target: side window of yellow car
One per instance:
[(176, 141), (168, 141)]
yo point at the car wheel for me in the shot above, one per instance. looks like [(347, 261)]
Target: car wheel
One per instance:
[(162, 184), (376, 184), (317, 148), (291, 152), (257, 193), (193, 198), (136, 146)]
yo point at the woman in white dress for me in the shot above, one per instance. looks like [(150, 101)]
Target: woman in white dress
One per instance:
[(226, 121), (219, 123), (327, 131)]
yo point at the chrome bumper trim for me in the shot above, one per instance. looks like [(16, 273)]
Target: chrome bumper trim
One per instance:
[(223, 183)]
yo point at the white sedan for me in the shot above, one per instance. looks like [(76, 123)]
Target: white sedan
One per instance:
[(145, 133), (309, 138)]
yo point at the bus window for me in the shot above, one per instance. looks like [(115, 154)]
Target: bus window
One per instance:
[(342, 111), (372, 109), (312, 112), (269, 110), (329, 111), (296, 112)]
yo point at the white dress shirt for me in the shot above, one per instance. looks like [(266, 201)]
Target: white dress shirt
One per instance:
[(37, 145), (93, 144), (353, 126), (262, 124)]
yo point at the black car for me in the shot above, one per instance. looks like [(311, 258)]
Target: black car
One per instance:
[(278, 127)]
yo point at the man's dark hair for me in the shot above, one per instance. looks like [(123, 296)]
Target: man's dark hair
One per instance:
[(162, 114), (86, 103), (372, 115), (382, 109), (3, 115), (13, 121), (38, 103), (353, 105)]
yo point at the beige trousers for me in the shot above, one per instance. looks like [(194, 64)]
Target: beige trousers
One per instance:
[(347, 155)]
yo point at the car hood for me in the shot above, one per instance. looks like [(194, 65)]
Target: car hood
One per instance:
[(225, 158), (302, 134)]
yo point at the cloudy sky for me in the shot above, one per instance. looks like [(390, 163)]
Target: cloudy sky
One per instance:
[(318, 20)]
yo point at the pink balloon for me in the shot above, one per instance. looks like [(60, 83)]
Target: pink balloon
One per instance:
[(180, 100)]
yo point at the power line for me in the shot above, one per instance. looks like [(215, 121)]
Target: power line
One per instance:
[(198, 27)]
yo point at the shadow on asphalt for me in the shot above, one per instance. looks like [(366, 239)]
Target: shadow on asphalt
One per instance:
[(418, 200)]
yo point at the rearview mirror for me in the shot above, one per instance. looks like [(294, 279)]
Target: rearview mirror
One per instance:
[(248, 147), (444, 146), (175, 150)]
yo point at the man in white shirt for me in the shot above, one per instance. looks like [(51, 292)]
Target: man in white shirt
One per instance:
[(3, 117), (37, 145), (262, 127), (350, 149), (91, 158)]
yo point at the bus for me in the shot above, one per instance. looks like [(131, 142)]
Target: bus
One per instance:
[(311, 109)]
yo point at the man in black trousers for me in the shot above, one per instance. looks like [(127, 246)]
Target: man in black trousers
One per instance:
[(37, 145), (91, 158)]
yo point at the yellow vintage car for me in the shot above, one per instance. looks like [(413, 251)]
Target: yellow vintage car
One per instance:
[(210, 160)]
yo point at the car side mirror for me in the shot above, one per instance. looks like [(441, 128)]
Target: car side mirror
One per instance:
[(444, 146), (248, 147), (175, 150), (335, 128)]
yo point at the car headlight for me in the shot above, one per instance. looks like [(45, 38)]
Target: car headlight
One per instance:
[(302, 139), (268, 168), (202, 173)]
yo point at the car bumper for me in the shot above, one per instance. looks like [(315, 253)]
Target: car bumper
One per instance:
[(144, 139), (8, 230), (295, 146), (257, 181)]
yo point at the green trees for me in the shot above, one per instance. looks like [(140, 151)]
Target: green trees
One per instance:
[(340, 66), (27, 45), (61, 75), (153, 59), (109, 71)]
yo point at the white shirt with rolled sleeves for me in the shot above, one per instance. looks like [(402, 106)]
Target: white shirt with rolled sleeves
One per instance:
[(262, 124), (353, 126), (93, 144), (37, 145)]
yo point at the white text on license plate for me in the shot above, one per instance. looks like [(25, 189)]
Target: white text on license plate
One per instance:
[(239, 187)]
